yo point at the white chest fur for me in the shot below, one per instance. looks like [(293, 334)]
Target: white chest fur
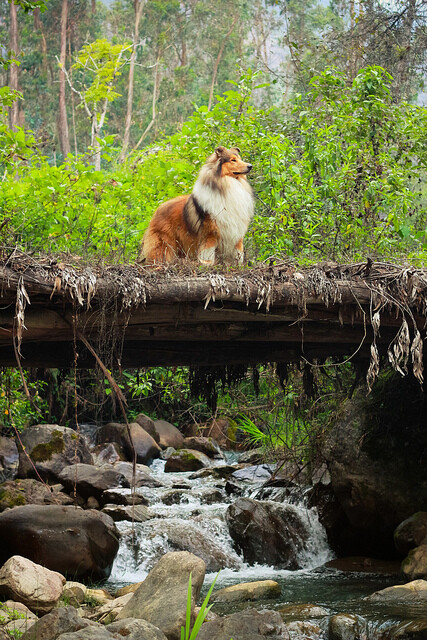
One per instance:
[(232, 209)]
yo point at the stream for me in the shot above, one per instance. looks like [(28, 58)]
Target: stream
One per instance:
[(188, 512)]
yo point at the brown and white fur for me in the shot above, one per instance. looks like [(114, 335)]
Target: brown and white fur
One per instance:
[(210, 223)]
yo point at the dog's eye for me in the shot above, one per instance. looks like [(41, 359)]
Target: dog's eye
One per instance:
[(233, 160)]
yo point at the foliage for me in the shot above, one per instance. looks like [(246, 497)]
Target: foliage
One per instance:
[(201, 616), (339, 175), (16, 410)]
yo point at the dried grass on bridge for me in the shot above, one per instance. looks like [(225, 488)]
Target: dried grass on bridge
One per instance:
[(185, 314)]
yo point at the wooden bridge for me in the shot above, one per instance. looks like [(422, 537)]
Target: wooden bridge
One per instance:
[(55, 315)]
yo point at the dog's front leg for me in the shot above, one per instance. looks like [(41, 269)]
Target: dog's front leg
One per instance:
[(207, 251), (239, 253)]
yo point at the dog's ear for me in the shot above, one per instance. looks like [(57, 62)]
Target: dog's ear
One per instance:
[(219, 151), (235, 149)]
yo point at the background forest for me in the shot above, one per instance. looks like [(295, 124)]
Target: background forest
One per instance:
[(106, 110)]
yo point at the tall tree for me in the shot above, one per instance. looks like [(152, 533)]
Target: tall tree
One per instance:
[(138, 7), (63, 136), (13, 69)]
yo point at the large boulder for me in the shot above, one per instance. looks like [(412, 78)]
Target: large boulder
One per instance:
[(414, 565), (377, 457), (148, 425), (140, 441), (169, 435), (62, 538), (187, 460), (224, 431), (245, 625), (267, 532), (9, 458), (50, 448), (22, 491), (162, 597), (411, 532), (91, 481), (35, 586)]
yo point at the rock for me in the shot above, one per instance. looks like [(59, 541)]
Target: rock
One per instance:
[(9, 458), (187, 460), (134, 629), (267, 532), (253, 456), (346, 626), (146, 448), (136, 513), (63, 538), (291, 612), (55, 623), (15, 628), (74, 593), (148, 425), (28, 491), (98, 597), (176, 496), (130, 588), (256, 474), (123, 497), (411, 533), (89, 633), (208, 446), (414, 565), (187, 536), (107, 453), (35, 586), (111, 609), (90, 480), (224, 432), (15, 619), (410, 593), (143, 477), (51, 448), (91, 503), (262, 589), (10, 609), (414, 630), (245, 625), (169, 435), (162, 597), (303, 629), (377, 458)]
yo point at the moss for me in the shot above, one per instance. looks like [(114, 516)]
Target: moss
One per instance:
[(232, 431), (11, 499), (45, 450)]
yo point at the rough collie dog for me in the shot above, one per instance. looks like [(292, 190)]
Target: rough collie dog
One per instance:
[(210, 223)]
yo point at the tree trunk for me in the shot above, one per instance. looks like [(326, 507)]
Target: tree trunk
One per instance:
[(218, 60), (63, 136), (139, 5), (403, 76), (13, 69), (153, 105)]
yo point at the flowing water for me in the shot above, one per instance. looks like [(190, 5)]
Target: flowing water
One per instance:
[(189, 513)]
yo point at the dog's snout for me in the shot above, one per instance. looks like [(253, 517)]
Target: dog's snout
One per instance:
[(249, 167)]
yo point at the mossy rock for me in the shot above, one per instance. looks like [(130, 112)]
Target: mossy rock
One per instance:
[(45, 450), (187, 460)]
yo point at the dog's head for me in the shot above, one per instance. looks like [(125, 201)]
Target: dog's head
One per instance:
[(229, 162)]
